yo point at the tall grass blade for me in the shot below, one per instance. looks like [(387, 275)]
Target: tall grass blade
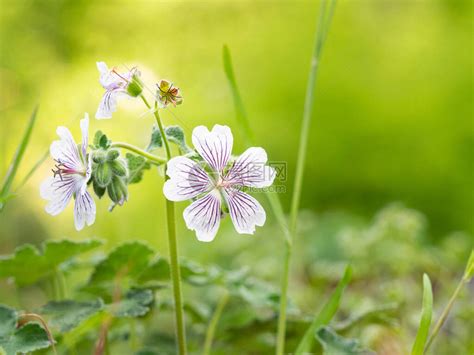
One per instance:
[(240, 111), (325, 314), (12, 170), (425, 321)]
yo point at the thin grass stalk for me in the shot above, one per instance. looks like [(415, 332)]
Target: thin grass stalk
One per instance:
[(324, 21)]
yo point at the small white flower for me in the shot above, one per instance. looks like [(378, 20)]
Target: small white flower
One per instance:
[(73, 171), (218, 187), (115, 85)]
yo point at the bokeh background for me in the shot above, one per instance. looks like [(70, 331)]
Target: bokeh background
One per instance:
[(392, 120)]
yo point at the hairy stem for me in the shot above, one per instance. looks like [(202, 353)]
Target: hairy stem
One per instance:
[(173, 247), (211, 329), (151, 157), (320, 36)]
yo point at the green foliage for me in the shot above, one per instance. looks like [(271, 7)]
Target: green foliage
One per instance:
[(469, 272), (136, 303), (384, 315), (13, 168), (29, 264), (174, 134), (122, 268), (326, 314), (15, 338), (335, 344), (425, 321), (136, 164), (68, 314), (101, 141)]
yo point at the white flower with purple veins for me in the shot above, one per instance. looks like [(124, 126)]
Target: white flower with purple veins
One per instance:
[(70, 176), (115, 85), (217, 185)]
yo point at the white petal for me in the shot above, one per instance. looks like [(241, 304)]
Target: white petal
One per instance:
[(245, 211), (187, 179), (215, 147), (58, 192), (65, 150), (107, 78), (204, 216), (84, 210), (85, 134), (250, 169)]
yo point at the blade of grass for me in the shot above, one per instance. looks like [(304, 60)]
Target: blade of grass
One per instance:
[(12, 170), (325, 314), (325, 17), (241, 114), (211, 329), (425, 321), (468, 274), (33, 169), (244, 124)]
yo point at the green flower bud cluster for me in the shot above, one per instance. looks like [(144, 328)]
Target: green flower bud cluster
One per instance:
[(110, 173)]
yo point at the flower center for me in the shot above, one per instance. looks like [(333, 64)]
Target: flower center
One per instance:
[(62, 169)]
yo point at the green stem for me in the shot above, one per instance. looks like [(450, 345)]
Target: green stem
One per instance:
[(321, 33), (173, 247), (151, 157), (444, 314), (211, 329)]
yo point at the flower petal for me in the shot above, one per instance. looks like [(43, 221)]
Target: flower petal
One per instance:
[(108, 103), (215, 147), (85, 134), (107, 78), (65, 150), (84, 210), (187, 179), (250, 169), (59, 192), (245, 211), (204, 216)]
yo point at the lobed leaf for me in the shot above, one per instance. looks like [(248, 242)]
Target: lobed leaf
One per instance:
[(68, 314), (156, 140), (333, 343), (13, 340), (135, 304), (122, 267), (425, 321), (136, 164), (325, 314), (29, 264)]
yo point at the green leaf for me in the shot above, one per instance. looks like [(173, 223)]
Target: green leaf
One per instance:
[(325, 314), (13, 340), (175, 134), (136, 165), (335, 344), (8, 318), (135, 304), (385, 314), (20, 151), (68, 314), (425, 321), (122, 266), (156, 140), (241, 114), (469, 272), (198, 275), (28, 264)]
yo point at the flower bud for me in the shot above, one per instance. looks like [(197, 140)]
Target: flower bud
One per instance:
[(134, 87), (119, 167), (103, 174), (99, 191), (98, 156), (112, 154), (117, 190)]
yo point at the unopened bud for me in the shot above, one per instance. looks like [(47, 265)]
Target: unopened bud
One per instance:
[(117, 190), (103, 174), (98, 156), (119, 167), (112, 154)]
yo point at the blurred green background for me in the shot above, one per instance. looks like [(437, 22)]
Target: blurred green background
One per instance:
[(392, 119), (392, 122)]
